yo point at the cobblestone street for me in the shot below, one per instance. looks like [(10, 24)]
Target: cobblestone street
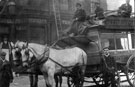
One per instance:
[(23, 81)]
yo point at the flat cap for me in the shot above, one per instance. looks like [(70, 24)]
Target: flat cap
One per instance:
[(78, 4), (2, 54)]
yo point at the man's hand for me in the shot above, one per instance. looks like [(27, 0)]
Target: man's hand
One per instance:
[(76, 19)]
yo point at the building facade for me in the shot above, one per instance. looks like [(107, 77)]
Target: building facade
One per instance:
[(35, 20)]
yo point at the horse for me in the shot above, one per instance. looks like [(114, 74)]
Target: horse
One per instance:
[(17, 64), (53, 61)]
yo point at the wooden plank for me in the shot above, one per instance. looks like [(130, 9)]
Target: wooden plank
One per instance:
[(119, 23)]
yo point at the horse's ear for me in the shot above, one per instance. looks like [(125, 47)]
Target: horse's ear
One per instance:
[(27, 44), (12, 45), (46, 47), (16, 43)]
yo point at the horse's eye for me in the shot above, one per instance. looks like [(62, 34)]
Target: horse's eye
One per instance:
[(17, 53), (27, 52)]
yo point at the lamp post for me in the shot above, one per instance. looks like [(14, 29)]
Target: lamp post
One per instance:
[(134, 42), (12, 13)]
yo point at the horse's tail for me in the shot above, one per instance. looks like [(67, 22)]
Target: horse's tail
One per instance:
[(81, 75)]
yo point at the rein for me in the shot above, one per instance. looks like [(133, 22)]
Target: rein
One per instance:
[(42, 60), (60, 65)]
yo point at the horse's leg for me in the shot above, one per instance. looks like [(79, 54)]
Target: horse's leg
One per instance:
[(56, 80), (82, 74), (60, 79), (49, 77), (68, 81), (35, 82), (31, 80), (49, 80)]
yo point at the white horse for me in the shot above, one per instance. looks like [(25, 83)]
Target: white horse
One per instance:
[(52, 61)]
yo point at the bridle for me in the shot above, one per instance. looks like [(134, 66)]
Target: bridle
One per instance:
[(16, 55), (42, 58)]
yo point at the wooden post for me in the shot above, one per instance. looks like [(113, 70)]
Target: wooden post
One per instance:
[(134, 43)]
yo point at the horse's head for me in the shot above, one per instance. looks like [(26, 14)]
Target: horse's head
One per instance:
[(16, 52), (16, 55), (21, 45), (31, 55)]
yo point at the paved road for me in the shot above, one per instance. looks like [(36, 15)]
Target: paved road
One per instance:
[(23, 81)]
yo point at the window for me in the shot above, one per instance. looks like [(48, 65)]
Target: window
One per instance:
[(115, 41)]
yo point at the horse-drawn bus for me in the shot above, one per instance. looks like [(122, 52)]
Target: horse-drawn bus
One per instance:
[(115, 33)]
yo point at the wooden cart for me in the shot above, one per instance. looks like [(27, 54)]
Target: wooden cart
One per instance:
[(115, 33)]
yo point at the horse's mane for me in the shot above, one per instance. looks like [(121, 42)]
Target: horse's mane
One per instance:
[(60, 48), (38, 48)]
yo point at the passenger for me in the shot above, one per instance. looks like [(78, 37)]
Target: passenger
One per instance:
[(109, 68), (125, 9), (6, 76), (5, 46), (78, 18), (99, 12)]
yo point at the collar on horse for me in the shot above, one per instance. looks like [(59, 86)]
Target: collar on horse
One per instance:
[(42, 58), (2, 59)]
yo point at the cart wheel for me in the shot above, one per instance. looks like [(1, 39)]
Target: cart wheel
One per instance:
[(74, 82), (130, 70), (112, 80), (98, 80), (70, 82), (117, 79)]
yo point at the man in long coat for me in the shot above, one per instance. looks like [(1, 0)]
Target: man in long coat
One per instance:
[(78, 18), (6, 76), (125, 9)]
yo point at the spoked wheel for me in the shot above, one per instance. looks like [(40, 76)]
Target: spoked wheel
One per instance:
[(112, 80), (98, 80), (70, 82), (117, 79), (130, 70), (74, 82)]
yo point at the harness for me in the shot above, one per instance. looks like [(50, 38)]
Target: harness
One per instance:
[(43, 60)]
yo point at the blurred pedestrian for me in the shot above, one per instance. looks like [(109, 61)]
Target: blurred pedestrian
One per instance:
[(6, 76), (125, 9), (5, 47)]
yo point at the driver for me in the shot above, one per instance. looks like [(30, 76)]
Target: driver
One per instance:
[(78, 19), (125, 9)]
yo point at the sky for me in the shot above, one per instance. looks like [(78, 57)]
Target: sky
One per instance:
[(115, 4)]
